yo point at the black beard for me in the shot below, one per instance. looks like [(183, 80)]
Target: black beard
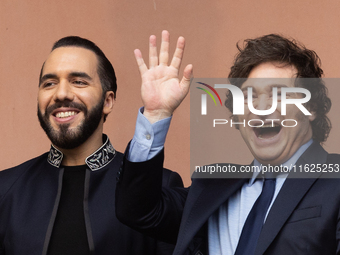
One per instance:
[(65, 138)]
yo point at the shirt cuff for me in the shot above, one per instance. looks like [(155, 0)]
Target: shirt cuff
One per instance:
[(148, 139)]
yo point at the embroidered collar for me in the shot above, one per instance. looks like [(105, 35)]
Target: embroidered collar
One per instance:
[(97, 160)]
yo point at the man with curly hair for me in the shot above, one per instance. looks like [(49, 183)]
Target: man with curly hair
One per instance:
[(271, 214)]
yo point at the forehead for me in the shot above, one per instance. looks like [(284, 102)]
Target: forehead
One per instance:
[(271, 74), (71, 59)]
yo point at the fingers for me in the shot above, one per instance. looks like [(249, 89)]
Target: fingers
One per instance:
[(177, 58), (164, 53), (153, 59), (188, 72), (187, 75), (140, 61)]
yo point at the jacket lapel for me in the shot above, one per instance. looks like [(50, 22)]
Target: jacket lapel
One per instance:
[(291, 193), (205, 197)]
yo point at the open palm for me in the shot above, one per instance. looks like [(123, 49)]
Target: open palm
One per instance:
[(161, 90)]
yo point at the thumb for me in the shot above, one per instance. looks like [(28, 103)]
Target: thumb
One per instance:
[(187, 75)]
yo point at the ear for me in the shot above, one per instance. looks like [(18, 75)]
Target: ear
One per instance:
[(109, 102), (312, 117)]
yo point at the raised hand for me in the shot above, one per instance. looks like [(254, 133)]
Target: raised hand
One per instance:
[(161, 90)]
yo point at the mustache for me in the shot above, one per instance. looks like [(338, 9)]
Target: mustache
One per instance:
[(67, 104)]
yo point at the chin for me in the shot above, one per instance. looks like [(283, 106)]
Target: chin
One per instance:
[(268, 156)]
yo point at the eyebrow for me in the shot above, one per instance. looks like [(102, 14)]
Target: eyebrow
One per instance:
[(81, 75), (71, 75)]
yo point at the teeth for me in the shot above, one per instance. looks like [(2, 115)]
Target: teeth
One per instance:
[(65, 114)]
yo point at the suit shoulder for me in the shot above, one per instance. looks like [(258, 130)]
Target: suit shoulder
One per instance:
[(333, 158), (171, 179), (9, 176), (25, 164)]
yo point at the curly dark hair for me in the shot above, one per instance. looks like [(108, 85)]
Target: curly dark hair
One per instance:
[(288, 52)]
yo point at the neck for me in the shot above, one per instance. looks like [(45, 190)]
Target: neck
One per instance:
[(77, 156)]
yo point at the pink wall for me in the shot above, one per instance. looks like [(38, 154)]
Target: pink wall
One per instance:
[(29, 28)]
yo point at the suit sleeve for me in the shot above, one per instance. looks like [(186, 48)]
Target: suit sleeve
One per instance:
[(143, 203), (8, 178), (171, 179)]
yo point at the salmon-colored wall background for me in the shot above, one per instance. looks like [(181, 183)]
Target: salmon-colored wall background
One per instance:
[(29, 28)]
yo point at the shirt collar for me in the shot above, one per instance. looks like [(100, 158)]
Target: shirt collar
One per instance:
[(97, 160), (289, 163)]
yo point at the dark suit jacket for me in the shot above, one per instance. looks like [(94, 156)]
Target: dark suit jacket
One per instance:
[(304, 218), (29, 196)]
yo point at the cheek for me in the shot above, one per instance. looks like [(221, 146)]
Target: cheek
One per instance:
[(43, 101), (303, 121), (90, 98), (244, 132), (247, 113), (295, 113)]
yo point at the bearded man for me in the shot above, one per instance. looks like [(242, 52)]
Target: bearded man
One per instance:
[(62, 202)]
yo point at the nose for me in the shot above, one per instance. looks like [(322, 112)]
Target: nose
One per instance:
[(263, 102), (263, 105), (63, 92)]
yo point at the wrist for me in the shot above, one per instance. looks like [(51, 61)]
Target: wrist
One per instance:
[(156, 115)]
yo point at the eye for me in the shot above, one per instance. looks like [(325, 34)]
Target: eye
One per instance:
[(292, 95), (245, 94), (278, 95), (80, 82), (48, 84)]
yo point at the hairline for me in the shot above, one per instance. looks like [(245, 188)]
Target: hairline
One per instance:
[(78, 46)]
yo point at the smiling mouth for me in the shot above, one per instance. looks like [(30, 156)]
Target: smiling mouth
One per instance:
[(65, 114), (267, 131)]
